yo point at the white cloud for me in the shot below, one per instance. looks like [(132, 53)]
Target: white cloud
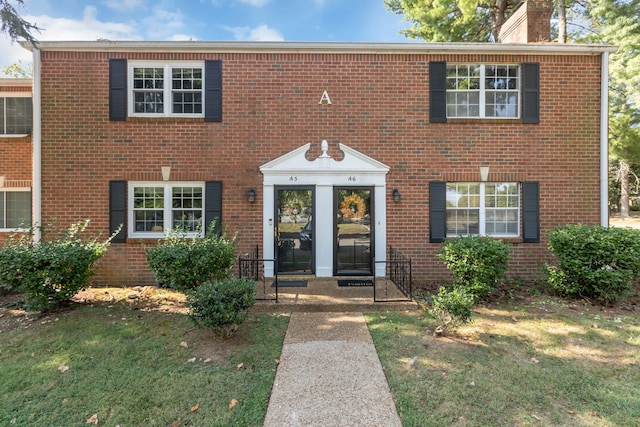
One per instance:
[(255, 3), (119, 5), (259, 33)]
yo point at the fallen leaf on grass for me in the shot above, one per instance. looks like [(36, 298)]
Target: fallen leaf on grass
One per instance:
[(195, 407), (537, 418), (240, 366), (534, 360), (184, 344), (207, 360), (514, 318), (193, 359), (233, 403), (176, 423), (277, 361), (412, 362), (63, 368), (93, 420)]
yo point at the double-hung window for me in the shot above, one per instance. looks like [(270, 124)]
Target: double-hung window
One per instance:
[(156, 208), (491, 209), (15, 209), (16, 115), (166, 90), (483, 91)]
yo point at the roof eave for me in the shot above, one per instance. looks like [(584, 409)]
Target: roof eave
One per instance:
[(319, 47)]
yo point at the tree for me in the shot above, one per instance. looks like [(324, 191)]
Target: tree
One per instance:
[(12, 23), (464, 20), (617, 22), (453, 20), (19, 70)]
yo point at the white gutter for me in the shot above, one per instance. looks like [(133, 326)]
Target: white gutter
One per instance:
[(398, 48), (36, 140), (604, 141)]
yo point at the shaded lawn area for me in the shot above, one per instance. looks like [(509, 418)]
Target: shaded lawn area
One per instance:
[(134, 364), (550, 363)]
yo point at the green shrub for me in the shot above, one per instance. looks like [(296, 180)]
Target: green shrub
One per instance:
[(222, 305), (452, 308), (50, 271), (477, 263), (594, 261), (180, 262)]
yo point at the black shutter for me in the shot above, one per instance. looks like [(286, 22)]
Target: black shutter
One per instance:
[(213, 204), (530, 92), (118, 210), (437, 211), (437, 92), (118, 89), (213, 91), (530, 212)]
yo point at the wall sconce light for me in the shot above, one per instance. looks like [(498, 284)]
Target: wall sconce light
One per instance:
[(251, 195), (166, 173), (396, 195), (484, 173)]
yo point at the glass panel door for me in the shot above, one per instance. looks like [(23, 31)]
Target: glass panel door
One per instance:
[(353, 231), (294, 232)]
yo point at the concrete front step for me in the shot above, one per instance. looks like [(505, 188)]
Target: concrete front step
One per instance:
[(324, 295)]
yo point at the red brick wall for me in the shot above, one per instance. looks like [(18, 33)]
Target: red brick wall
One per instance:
[(270, 106)]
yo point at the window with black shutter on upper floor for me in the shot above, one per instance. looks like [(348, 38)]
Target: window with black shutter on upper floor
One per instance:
[(484, 91), (187, 89)]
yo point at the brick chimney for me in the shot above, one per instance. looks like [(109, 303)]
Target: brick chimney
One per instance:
[(529, 23)]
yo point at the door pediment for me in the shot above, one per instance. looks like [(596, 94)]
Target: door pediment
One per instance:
[(295, 163)]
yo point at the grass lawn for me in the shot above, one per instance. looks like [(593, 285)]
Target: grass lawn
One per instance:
[(546, 362), (132, 362)]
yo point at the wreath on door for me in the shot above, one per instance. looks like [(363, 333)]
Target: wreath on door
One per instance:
[(353, 206)]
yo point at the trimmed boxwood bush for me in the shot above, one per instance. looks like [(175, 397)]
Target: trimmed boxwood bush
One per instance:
[(222, 305), (477, 263), (50, 271), (180, 262), (594, 262)]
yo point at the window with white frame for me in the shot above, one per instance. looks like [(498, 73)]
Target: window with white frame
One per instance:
[(491, 209), (155, 208), (159, 89), (15, 209), (16, 115), (483, 90)]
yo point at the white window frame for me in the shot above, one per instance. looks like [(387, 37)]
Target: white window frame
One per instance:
[(3, 219), (167, 208), (483, 90), (482, 209), (167, 89), (4, 95)]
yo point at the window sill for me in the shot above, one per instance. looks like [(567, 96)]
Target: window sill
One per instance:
[(19, 135), (476, 120)]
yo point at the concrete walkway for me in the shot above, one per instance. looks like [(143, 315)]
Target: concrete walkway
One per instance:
[(330, 375)]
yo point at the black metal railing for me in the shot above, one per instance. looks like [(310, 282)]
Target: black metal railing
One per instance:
[(250, 266), (398, 268)]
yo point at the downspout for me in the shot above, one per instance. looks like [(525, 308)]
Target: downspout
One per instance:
[(36, 140), (604, 141)]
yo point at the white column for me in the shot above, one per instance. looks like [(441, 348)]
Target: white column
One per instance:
[(324, 233), (268, 228), (380, 212)]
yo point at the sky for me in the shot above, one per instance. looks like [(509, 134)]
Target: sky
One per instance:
[(216, 20)]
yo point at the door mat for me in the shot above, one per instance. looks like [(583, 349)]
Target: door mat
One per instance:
[(354, 282), (290, 284)]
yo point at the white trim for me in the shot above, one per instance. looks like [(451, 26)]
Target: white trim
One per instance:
[(320, 47), (36, 140), (168, 90), (167, 209), (324, 173), (604, 141)]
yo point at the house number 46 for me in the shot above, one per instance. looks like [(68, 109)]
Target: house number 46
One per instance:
[(352, 179)]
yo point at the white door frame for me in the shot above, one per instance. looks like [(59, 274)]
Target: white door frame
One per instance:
[(355, 169)]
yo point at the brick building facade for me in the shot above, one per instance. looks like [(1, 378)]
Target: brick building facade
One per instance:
[(423, 142)]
